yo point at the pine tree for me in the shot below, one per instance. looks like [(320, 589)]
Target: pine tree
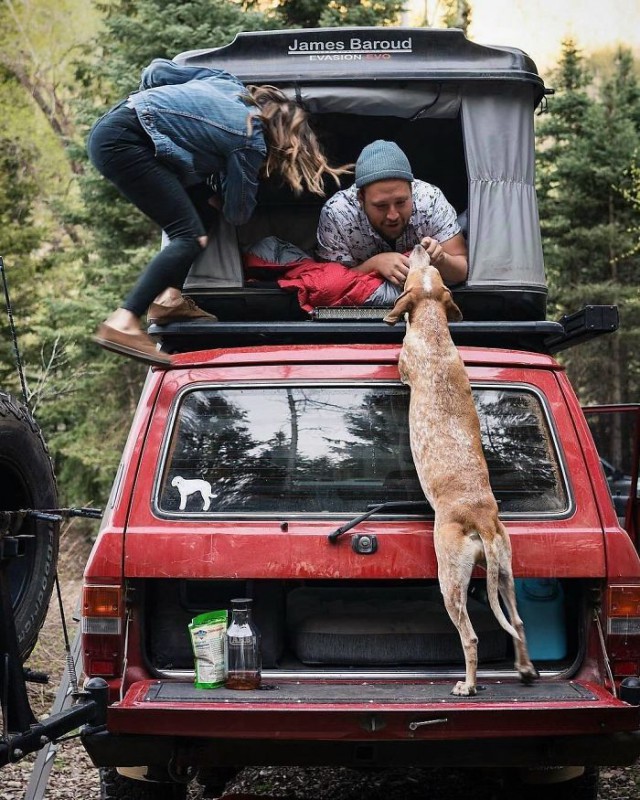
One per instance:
[(342, 13), (586, 151), (458, 14), (19, 237), (339, 13)]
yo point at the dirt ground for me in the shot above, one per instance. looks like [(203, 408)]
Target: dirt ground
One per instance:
[(73, 777)]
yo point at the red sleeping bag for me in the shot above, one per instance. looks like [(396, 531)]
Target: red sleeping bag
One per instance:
[(318, 283)]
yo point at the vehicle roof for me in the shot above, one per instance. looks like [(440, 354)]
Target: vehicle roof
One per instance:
[(345, 353), (317, 55)]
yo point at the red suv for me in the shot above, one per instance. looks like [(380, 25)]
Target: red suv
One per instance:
[(299, 427)]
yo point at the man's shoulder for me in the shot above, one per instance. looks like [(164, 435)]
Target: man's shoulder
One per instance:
[(425, 189), (342, 200), (428, 198)]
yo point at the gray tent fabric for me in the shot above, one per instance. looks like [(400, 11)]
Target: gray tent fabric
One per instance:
[(220, 264), (413, 101), (276, 251), (505, 246)]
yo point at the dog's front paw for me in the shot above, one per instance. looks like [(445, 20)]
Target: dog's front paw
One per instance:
[(463, 689)]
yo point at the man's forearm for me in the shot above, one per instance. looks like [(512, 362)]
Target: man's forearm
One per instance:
[(453, 268), (393, 267), (367, 266)]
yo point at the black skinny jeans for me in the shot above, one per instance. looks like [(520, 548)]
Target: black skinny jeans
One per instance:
[(123, 152)]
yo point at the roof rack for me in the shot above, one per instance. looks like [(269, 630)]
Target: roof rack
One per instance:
[(365, 326)]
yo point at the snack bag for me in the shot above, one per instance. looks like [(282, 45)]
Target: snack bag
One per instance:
[(208, 639)]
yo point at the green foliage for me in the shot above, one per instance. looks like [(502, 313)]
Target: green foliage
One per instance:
[(18, 191), (631, 195), (458, 14), (339, 13), (301, 13), (589, 224), (20, 235), (136, 33)]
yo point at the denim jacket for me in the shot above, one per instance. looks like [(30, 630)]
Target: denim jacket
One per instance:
[(202, 127)]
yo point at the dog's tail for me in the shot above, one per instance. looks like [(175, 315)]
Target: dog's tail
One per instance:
[(492, 559)]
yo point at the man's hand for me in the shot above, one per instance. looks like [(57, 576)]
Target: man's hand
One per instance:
[(449, 258), (393, 267), (434, 250)]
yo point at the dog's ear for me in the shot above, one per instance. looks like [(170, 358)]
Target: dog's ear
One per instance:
[(400, 307), (453, 312)]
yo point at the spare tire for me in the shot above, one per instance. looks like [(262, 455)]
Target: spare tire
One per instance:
[(27, 481)]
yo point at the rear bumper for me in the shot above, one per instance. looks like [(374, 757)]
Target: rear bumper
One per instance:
[(129, 750), (552, 723)]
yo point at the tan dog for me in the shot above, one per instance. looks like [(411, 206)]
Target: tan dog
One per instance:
[(447, 452)]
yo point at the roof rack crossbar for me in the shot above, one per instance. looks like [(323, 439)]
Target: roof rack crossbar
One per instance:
[(542, 336), (583, 325)]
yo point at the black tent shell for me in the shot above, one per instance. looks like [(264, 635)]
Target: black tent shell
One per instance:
[(318, 55)]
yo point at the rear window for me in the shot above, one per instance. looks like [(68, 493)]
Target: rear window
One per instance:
[(339, 449)]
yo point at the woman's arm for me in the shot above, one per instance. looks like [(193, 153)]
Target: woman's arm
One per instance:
[(239, 185)]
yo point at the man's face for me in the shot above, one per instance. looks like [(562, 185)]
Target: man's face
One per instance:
[(388, 205)]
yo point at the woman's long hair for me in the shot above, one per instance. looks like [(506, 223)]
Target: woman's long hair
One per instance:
[(293, 150)]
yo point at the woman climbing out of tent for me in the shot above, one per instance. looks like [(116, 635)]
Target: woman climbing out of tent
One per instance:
[(188, 126)]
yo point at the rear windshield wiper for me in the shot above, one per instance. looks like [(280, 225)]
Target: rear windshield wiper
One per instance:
[(423, 504)]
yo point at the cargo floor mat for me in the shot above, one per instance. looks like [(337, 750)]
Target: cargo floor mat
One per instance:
[(369, 692)]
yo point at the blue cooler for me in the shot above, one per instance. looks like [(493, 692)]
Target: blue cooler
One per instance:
[(541, 607)]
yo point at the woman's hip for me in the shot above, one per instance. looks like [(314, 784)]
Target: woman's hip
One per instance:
[(118, 139)]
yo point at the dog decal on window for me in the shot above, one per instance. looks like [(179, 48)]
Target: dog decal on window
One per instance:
[(188, 487)]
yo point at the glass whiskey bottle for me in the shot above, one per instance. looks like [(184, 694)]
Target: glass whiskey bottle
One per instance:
[(244, 663)]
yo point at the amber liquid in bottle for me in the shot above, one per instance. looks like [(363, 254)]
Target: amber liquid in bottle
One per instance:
[(247, 680), (243, 648)]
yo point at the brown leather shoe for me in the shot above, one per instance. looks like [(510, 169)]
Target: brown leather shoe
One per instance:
[(135, 345), (186, 310)]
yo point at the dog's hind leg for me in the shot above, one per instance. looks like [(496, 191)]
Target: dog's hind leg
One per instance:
[(506, 587), (457, 555)]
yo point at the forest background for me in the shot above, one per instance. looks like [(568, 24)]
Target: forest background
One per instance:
[(71, 246)]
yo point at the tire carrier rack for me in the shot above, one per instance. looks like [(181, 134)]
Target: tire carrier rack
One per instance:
[(21, 732)]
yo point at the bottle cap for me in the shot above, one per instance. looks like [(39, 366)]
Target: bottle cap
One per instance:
[(241, 603)]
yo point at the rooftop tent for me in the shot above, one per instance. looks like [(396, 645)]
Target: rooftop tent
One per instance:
[(427, 89)]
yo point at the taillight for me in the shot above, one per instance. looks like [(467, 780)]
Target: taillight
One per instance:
[(102, 630), (624, 610), (623, 629)]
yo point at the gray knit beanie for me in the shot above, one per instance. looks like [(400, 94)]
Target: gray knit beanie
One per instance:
[(380, 161)]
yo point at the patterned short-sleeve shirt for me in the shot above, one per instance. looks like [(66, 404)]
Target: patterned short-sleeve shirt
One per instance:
[(345, 234)]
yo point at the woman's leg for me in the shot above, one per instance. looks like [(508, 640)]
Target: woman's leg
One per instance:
[(123, 152)]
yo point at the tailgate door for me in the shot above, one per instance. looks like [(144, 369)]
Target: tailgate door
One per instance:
[(372, 710)]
